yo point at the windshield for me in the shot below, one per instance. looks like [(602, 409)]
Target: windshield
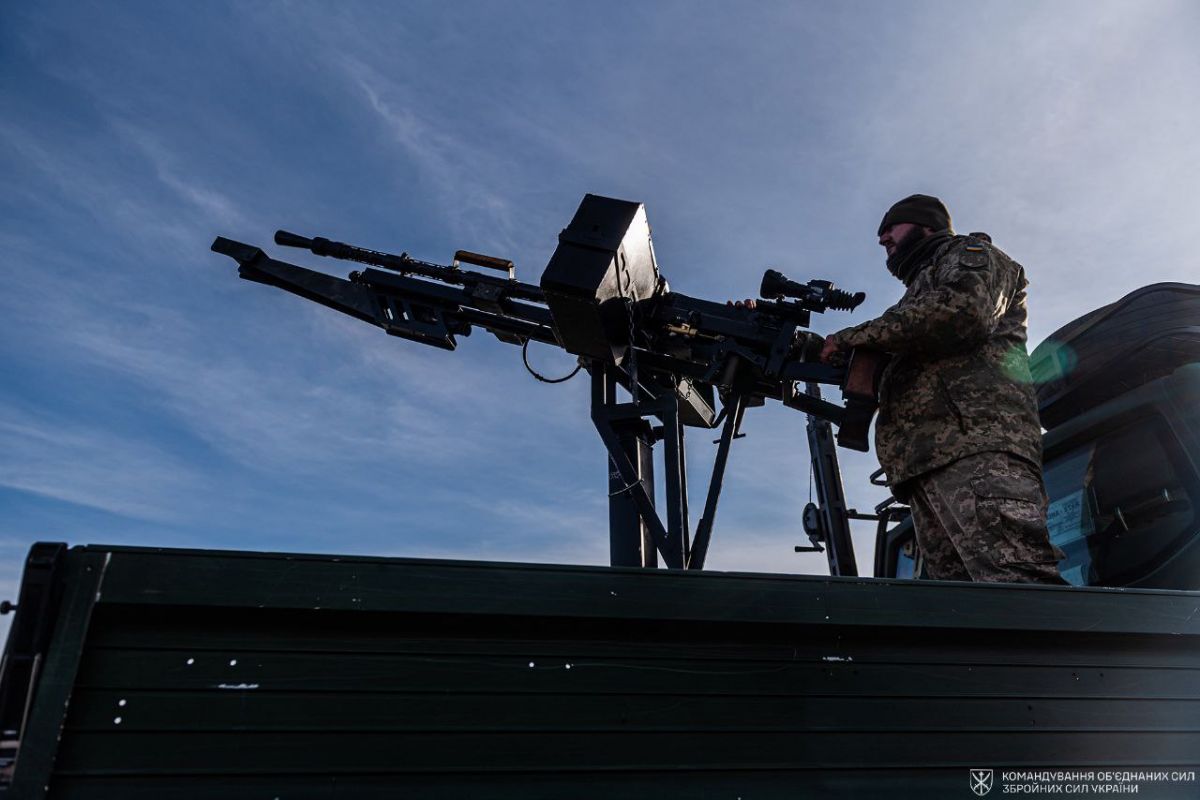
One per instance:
[(1119, 505)]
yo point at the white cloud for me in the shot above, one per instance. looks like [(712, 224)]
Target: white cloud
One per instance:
[(76, 463), (464, 177), (217, 209)]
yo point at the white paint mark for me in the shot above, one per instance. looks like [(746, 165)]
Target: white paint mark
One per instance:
[(826, 616), (121, 702), (531, 665), (233, 662), (191, 661), (568, 666), (237, 686), (614, 594), (116, 721), (837, 658)]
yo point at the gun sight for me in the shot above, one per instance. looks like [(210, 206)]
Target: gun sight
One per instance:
[(814, 295)]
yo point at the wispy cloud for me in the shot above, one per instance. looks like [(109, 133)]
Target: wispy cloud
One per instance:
[(266, 420), (464, 178), (216, 208), (150, 203), (66, 179), (69, 461)]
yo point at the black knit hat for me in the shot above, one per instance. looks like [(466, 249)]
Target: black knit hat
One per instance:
[(919, 209)]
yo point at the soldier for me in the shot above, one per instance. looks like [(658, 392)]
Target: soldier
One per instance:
[(958, 432)]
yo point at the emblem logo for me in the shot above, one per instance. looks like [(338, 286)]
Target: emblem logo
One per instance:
[(981, 781)]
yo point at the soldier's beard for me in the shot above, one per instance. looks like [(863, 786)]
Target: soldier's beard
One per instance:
[(905, 246), (911, 250)]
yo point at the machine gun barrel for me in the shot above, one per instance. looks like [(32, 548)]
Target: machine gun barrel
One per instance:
[(407, 265)]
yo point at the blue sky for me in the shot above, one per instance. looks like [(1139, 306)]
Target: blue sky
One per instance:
[(151, 397)]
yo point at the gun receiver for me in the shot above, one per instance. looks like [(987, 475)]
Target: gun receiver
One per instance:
[(602, 299)]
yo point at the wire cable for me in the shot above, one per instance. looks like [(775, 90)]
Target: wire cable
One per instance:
[(543, 378)]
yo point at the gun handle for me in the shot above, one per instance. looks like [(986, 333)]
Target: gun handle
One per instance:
[(480, 260), (861, 392)]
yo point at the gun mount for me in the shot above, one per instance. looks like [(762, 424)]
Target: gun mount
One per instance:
[(602, 299)]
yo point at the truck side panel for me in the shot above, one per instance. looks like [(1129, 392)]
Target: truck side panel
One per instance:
[(193, 673)]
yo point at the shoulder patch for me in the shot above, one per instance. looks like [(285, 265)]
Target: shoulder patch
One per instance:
[(972, 255)]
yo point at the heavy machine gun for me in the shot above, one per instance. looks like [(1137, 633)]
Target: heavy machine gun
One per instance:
[(602, 299)]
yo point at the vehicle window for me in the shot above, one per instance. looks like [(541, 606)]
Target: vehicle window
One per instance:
[(1119, 505), (905, 564)]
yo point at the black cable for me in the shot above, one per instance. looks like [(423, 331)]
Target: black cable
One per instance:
[(543, 378)]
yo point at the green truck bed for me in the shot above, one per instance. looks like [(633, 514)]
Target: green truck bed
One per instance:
[(178, 673)]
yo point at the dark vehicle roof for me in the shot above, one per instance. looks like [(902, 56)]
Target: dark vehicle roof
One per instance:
[(1145, 335)]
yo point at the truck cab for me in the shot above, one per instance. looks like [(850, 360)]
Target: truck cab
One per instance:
[(1119, 392)]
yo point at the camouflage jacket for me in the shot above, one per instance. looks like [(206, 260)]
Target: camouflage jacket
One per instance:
[(958, 382)]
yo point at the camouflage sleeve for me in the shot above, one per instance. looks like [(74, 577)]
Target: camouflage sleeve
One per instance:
[(968, 297)]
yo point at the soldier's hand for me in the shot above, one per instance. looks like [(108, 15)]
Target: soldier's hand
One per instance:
[(747, 303), (833, 352)]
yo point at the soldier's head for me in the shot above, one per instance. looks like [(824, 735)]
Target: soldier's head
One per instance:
[(910, 219)]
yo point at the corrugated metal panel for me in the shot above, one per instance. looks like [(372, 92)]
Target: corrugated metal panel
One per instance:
[(269, 676)]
